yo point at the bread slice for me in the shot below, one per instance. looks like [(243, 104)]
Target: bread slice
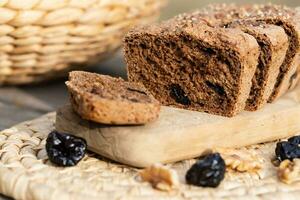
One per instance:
[(284, 17), (109, 100), (289, 71), (188, 64), (273, 44)]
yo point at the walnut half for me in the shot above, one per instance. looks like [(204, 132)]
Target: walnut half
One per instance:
[(241, 160), (161, 177), (289, 171)]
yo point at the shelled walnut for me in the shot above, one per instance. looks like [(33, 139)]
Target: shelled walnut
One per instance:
[(161, 177), (289, 171), (241, 160)]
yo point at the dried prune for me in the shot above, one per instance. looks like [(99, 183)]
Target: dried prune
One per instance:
[(287, 150), (217, 88), (295, 140), (208, 171), (64, 149), (136, 90), (292, 79), (96, 90), (179, 95)]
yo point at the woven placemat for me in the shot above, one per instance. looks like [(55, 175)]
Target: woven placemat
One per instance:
[(26, 173)]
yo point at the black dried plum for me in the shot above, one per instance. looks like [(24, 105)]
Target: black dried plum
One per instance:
[(295, 140), (292, 79), (136, 90), (217, 88), (294, 76), (287, 150), (64, 149), (179, 95), (208, 171)]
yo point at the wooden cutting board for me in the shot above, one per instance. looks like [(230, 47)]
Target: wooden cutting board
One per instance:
[(181, 134)]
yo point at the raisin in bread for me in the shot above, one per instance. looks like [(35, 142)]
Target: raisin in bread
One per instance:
[(109, 100), (282, 16), (188, 64)]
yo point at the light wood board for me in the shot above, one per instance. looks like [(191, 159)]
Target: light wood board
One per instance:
[(181, 134)]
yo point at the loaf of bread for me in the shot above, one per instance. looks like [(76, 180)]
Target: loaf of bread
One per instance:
[(188, 64), (273, 44), (221, 60), (280, 16), (272, 39), (107, 100)]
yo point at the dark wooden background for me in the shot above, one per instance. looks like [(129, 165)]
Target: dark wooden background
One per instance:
[(27, 102)]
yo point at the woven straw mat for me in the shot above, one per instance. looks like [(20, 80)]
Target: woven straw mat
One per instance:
[(42, 39), (26, 173)]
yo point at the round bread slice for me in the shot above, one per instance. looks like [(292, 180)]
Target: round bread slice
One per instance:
[(109, 100)]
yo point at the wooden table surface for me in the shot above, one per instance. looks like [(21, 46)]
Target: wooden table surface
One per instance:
[(27, 102)]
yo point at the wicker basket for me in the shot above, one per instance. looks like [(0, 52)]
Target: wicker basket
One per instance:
[(43, 39)]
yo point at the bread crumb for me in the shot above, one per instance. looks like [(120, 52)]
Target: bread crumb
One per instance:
[(161, 177), (289, 171)]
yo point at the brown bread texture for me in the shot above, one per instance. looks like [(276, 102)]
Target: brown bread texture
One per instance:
[(169, 50), (107, 100), (282, 16), (273, 42), (187, 63)]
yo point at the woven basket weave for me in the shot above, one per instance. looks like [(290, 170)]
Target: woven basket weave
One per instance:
[(26, 173), (41, 39)]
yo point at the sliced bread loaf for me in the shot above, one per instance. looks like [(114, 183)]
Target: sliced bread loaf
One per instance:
[(189, 64), (289, 70), (273, 42), (284, 17), (109, 100)]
